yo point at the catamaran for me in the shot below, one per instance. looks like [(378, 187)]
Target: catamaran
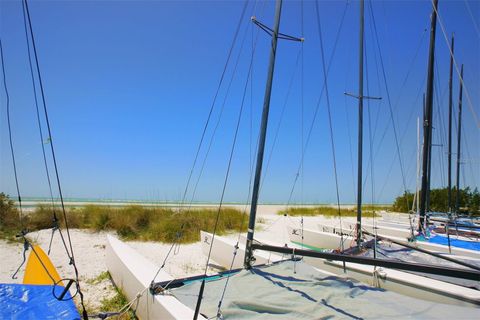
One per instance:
[(279, 284)]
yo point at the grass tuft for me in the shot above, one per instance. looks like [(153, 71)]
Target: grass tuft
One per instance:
[(330, 212), (130, 223)]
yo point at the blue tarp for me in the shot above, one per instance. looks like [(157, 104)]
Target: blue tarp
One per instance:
[(26, 302), (471, 245)]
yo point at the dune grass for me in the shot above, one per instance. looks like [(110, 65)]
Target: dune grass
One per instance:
[(133, 222), (330, 212)]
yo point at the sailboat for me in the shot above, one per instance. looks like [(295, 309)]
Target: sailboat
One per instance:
[(396, 241), (279, 284)]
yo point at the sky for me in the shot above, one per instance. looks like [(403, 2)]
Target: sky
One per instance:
[(129, 86)]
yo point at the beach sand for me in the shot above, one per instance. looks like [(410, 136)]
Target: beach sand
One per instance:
[(89, 250)]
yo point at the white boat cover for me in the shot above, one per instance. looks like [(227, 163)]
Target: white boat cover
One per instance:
[(295, 290)]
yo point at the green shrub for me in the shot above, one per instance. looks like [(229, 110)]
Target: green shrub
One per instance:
[(329, 212)]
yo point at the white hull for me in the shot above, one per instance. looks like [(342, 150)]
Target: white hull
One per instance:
[(382, 230), (132, 273), (318, 239), (223, 252)]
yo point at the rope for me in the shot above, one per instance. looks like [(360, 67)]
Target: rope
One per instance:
[(217, 123), (236, 247), (282, 113), (34, 87), (317, 107), (10, 139), (302, 97), (227, 175), (371, 160), (470, 105), (475, 25), (71, 256), (389, 103), (45, 163), (332, 142), (214, 100), (166, 257)]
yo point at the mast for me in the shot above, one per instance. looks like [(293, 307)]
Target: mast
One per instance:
[(360, 123), (457, 198), (450, 131), (263, 133), (427, 124), (417, 196)]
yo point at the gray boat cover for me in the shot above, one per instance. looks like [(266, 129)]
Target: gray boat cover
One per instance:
[(396, 252), (295, 290)]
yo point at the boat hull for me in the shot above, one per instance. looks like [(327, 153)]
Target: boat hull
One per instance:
[(132, 273)]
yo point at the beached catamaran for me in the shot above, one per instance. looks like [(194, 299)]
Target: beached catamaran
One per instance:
[(269, 280), (262, 280), (394, 242)]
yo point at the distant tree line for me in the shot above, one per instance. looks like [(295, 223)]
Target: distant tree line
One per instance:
[(469, 201)]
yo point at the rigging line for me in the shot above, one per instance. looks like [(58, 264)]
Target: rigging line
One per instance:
[(227, 175), (379, 87), (217, 124), (37, 109), (371, 160), (220, 115), (252, 155), (467, 151), (401, 140), (47, 172), (249, 78), (470, 105), (389, 102), (441, 132), (214, 100), (72, 258), (282, 113), (475, 25), (302, 114), (252, 162), (165, 260), (12, 151), (302, 103), (332, 141), (410, 68), (312, 123)]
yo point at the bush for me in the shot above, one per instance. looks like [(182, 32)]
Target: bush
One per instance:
[(9, 217), (330, 212), (469, 201)]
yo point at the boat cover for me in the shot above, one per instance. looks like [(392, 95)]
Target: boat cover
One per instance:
[(28, 302), (400, 253), (470, 245), (295, 290)]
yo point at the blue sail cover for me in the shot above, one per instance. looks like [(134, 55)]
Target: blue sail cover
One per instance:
[(28, 302), (471, 245)]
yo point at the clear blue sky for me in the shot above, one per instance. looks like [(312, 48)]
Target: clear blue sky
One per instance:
[(129, 85)]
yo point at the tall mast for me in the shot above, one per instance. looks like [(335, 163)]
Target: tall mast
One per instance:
[(450, 130), (417, 196), (457, 198), (263, 133), (427, 124), (360, 123)]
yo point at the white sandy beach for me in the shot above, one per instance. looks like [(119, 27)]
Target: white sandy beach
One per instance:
[(89, 249)]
